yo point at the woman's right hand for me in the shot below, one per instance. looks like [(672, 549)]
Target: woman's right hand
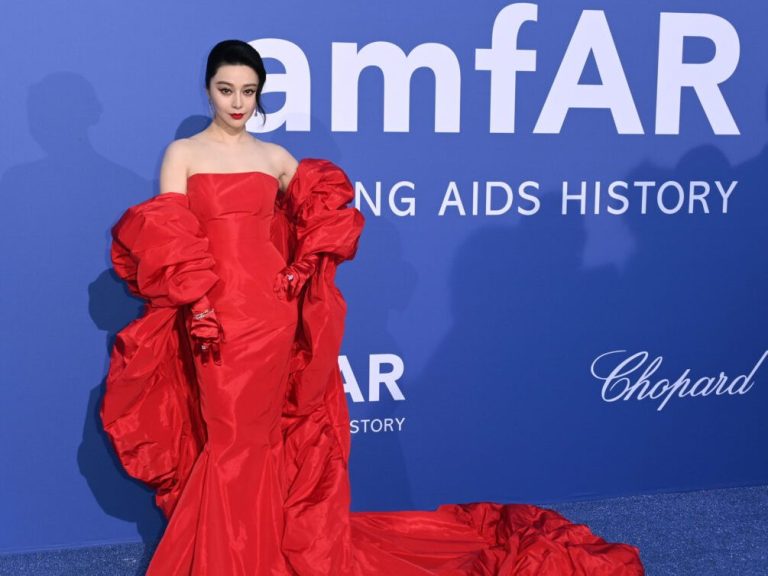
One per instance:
[(206, 331)]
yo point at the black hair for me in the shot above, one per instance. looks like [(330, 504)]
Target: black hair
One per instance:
[(236, 52)]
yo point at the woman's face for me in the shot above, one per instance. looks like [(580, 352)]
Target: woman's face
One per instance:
[(232, 92)]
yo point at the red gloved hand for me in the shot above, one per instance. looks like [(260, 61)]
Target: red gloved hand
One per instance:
[(206, 331), (291, 279)]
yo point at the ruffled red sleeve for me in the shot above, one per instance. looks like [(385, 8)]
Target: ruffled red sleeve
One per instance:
[(315, 418), (160, 250), (317, 204), (150, 409)]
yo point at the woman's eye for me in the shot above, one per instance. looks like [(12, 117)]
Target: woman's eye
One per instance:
[(250, 91), (224, 90)]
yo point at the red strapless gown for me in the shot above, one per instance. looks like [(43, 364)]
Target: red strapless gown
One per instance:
[(249, 459)]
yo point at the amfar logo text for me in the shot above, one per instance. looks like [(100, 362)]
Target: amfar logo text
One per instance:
[(505, 61), (384, 370)]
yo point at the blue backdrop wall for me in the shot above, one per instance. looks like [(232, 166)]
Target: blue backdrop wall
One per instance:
[(560, 291)]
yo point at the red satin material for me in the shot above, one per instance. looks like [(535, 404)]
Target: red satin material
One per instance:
[(249, 459)]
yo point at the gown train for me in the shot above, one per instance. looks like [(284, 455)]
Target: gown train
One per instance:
[(249, 459)]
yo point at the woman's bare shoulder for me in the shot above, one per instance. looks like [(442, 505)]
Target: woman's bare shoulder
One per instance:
[(175, 167), (282, 160)]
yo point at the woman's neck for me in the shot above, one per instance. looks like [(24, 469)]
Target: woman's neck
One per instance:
[(224, 134)]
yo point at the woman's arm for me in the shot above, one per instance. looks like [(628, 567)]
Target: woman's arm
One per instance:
[(173, 171), (286, 164)]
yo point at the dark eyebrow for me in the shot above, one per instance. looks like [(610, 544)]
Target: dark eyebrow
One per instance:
[(230, 84)]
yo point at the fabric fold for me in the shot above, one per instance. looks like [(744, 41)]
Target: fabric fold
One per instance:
[(150, 410)]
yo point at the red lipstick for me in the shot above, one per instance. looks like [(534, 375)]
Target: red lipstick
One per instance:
[(237, 116)]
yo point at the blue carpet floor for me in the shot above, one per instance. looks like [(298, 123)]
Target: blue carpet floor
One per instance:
[(707, 533)]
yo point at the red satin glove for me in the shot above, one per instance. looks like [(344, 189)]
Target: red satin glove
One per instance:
[(291, 279), (206, 331)]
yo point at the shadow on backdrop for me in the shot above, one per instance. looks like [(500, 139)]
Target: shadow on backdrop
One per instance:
[(56, 227)]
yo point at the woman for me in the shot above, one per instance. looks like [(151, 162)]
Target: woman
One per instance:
[(226, 398)]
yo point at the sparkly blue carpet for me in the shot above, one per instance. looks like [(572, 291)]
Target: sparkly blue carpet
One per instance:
[(707, 533)]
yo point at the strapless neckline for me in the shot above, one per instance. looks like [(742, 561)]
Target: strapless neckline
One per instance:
[(249, 172)]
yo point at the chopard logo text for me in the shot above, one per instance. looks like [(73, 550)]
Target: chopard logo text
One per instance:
[(627, 376)]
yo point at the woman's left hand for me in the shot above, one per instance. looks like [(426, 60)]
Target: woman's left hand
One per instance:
[(291, 279)]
